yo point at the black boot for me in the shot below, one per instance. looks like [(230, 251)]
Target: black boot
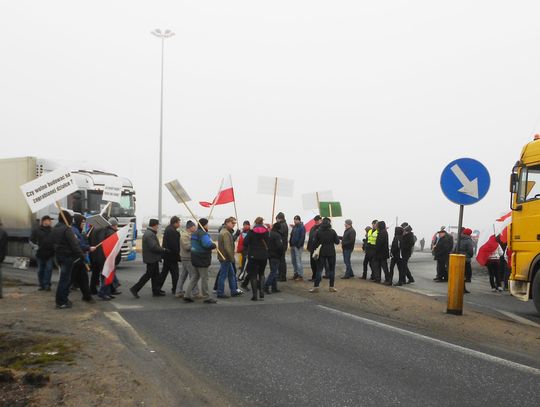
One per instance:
[(261, 286), (254, 290)]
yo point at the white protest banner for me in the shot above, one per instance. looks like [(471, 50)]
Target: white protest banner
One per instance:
[(97, 221), (112, 191), (311, 200), (48, 189), (276, 186), (178, 191)]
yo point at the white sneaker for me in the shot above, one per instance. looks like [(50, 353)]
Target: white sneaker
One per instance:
[(239, 291), (314, 290), (332, 290)]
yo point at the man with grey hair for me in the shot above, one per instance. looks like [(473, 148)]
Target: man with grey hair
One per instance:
[(185, 255), (348, 240)]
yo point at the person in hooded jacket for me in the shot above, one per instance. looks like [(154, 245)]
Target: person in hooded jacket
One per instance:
[(311, 246), (284, 232), (45, 252), (68, 250), (79, 273), (407, 249), (275, 251), (327, 238), (256, 243), (381, 254), (396, 250), (466, 247)]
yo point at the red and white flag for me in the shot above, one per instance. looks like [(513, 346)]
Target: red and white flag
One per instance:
[(225, 196), (111, 247)]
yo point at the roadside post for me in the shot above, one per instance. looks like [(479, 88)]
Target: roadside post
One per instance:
[(464, 181)]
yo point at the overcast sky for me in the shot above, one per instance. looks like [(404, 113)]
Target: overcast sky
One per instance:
[(368, 99)]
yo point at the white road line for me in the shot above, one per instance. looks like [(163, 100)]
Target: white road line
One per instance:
[(126, 306), (448, 345), (519, 319), (418, 291), (117, 318)]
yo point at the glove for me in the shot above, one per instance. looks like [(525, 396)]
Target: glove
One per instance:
[(237, 233)]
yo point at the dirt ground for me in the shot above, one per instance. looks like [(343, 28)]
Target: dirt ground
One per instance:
[(78, 358), (427, 315)]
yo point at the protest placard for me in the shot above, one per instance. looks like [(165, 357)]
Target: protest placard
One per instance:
[(48, 189), (112, 191)]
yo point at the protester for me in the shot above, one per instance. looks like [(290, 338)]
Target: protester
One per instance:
[(370, 250), (348, 242), (275, 251), (79, 273), (171, 242), (381, 254), (311, 246), (327, 238), (45, 252), (185, 255), (152, 254), (246, 226), (226, 258), (256, 242), (466, 247), (422, 244), (67, 250), (441, 252), (297, 240), (366, 261), (494, 270), (407, 249), (284, 232), (3, 252), (201, 258), (106, 291), (397, 256)]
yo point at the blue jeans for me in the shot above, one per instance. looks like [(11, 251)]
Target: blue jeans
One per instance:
[(62, 291), (45, 268), (226, 271), (271, 281), (296, 258), (347, 260)]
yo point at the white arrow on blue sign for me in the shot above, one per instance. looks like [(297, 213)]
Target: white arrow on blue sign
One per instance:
[(465, 181)]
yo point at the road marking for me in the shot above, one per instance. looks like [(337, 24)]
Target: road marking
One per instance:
[(448, 345), (118, 319), (519, 319), (418, 291), (126, 306)]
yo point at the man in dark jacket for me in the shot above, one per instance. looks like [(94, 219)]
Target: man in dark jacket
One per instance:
[(441, 251), (226, 258), (284, 232), (407, 250), (327, 238), (97, 259), (347, 244), (68, 251), (3, 252), (45, 252), (297, 240), (257, 243), (201, 258), (275, 251), (381, 254), (171, 242), (311, 246), (466, 247), (152, 255)]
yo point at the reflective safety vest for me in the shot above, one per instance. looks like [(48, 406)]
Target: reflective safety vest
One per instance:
[(372, 236)]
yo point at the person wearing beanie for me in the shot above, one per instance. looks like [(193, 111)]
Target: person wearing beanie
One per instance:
[(381, 254), (348, 242), (240, 249), (67, 251), (171, 242), (45, 252), (275, 251), (407, 249), (326, 238), (311, 246), (201, 258), (466, 247), (256, 243), (297, 240), (79, 275), (441, 252), (152, 254), (98, 282), (185, 256), (284, 232)]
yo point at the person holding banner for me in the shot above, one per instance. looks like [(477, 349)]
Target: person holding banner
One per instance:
[(171, 242), (256, 243), (68, 251)]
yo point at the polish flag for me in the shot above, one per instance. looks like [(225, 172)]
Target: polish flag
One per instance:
[(309, 223), (504, 217), (111, 247), (225, 196)]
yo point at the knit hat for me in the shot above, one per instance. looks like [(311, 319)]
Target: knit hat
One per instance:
[(348, 222), (467, 231), (280, 216), (151, 223), (189, 224)]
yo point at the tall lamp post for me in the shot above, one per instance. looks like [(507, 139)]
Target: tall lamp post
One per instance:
[(163, 35)]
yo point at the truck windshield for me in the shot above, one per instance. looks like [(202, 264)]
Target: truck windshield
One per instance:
[(529, 184), (124, 208)]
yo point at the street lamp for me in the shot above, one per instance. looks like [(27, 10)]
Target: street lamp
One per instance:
[(163, 35)]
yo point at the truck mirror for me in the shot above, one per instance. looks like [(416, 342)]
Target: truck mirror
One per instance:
[(513, 183)]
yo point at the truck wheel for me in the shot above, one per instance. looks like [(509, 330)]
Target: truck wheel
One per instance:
[(536, 291)]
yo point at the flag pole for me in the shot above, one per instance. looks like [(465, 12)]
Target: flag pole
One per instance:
[(234, 202), (274, 204), (215, 199), (318, 202), (61, 212)]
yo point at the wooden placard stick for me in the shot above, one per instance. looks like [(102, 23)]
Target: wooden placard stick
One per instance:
[(234, 202), (274, 204)]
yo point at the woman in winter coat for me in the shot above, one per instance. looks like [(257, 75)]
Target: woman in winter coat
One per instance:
[(381, 255), (256, 243), (327, 238), (397, 256), (275, 252)]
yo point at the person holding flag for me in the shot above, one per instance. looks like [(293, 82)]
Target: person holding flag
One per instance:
[(226, 258), (79, 274), (111, 248)]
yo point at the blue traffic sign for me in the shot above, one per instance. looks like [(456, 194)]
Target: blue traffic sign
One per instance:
[(465, 181)]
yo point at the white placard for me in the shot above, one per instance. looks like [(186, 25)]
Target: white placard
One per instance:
[(97, 221), (178, 191), (284, 187), (112, 191), (309, 200), (48, 189)]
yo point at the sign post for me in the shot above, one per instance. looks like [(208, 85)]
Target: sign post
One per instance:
[(464, 181)]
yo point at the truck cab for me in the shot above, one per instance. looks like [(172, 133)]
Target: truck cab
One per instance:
[(524, 231)]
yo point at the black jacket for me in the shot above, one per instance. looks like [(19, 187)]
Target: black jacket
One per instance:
[(65, 242), (396, 249), (349, 239), (407, 246), (3, 244), (328, 239), (444, 247), (275, 246), (151, 250), (311, 239), (284, 232), (171, 241), (96, 237), (381, 244), (41, 237), (256, 242)]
